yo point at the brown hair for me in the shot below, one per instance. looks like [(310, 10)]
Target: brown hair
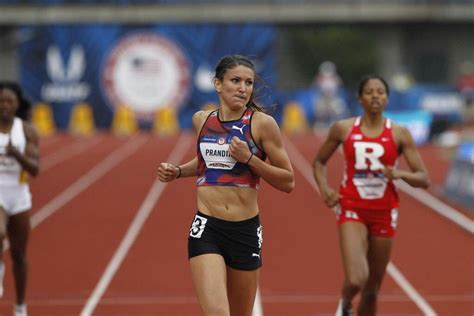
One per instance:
[(231, 61)]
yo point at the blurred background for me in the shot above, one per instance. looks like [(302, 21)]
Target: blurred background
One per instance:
[(141, 65)]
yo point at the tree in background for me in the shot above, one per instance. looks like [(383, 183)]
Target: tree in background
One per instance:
[(352, 50)]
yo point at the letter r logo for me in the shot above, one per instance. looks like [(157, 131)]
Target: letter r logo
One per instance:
[(366, 151)]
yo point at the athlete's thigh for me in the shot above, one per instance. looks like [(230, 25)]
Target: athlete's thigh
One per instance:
[(19, 231), (378, 255), (353, 243), (3, 223), (242, 288), (209, 277)]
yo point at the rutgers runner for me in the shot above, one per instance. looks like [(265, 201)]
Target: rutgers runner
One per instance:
[(367, 201), (225, 238)]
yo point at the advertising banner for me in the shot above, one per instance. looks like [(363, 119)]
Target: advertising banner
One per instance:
[(142, 68)]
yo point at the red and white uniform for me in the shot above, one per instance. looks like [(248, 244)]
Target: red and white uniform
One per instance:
[(364, 187)]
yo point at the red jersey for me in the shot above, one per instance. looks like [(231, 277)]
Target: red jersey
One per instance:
[(216, 167), (364, 186)]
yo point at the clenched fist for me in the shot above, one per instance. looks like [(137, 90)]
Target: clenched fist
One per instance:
[(168, 172)]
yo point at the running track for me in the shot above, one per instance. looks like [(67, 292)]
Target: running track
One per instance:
[(108, 239)]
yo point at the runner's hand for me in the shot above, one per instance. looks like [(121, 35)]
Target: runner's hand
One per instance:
[(330, 196), (239, 150), (167, 172)]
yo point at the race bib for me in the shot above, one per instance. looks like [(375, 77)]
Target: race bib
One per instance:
[(370, 187), (197, 227), (217, 156)]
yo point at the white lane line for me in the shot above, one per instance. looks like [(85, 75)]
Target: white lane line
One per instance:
[(307, 171), (437, 205), (67, 152), (410, 290), (134, 229), (257, 307), (110, 162), (84, 182)]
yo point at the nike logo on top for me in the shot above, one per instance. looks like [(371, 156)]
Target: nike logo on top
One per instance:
[(255, 255), (241, 129)]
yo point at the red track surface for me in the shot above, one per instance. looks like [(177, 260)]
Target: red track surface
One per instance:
[(72, 246)]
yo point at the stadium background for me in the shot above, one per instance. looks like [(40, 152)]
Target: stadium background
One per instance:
[(150, 56)]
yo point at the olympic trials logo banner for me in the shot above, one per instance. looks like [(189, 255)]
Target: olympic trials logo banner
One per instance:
[(65, 76), (146, 72), (143, 68)]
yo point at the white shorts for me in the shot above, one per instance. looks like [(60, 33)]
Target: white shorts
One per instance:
[(15, 199)]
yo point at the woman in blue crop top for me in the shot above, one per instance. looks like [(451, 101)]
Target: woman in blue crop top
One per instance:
[(225, 239)]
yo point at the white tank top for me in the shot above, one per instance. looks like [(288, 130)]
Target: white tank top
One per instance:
[(11, 172)]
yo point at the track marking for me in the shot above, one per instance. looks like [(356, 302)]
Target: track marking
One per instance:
[(86, 180), (134, 229), (306, 170), (257, 307), (67, 152), (410, 290), (437, 205)]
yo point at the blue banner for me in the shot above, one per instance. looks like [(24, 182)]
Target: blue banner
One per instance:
[(145, 68), (466, 151), (417, 122), (459, 185), (444, 102)]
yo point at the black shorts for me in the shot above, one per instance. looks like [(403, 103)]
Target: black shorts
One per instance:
[(240, 243)]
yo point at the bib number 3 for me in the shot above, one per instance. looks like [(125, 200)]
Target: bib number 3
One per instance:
[(197, 227)]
